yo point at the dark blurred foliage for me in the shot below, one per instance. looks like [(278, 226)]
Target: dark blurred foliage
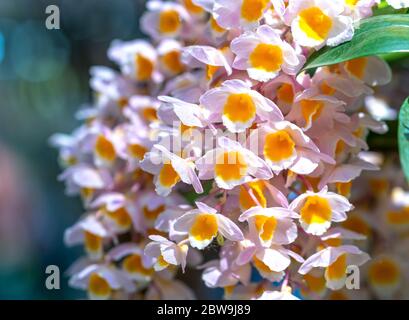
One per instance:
[(43, 81), (394, 94)]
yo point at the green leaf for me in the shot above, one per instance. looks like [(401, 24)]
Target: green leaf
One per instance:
[(384, 8), (403, 137), (374, 36), (393, 57), (191, 196), (383, 4)]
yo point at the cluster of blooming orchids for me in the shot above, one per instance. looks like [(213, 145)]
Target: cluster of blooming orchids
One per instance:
[(216, 103)]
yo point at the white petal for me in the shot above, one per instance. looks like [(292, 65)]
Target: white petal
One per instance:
[(274, 259), (229, 229)]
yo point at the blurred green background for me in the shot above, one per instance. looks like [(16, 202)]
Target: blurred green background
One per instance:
[(43, 81)]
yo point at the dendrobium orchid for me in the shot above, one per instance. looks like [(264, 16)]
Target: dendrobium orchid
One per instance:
[(246, 14), (318, 210), (283, 145), (101, 281), (202, 225), (169, 169), (238, 106), (209, 137), (165, 252), (271, 225), (315, 23), (231, 165), (263, 54), (335, 261)]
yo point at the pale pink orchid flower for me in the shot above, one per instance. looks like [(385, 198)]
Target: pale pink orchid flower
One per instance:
[(270, 262), (263, 193), (147, 206), (173, 110), (134, 263), (164, 253), (68, 146), (218, 274), (170, 57), (101, 281), (166, 220), (164, 19), (316, 112), (169, 169), (115, 210), (343, 138), (246, 14), (340, 86), (282, 90), (332, 27), (78, 265), (386, 287), (345, 172), (91, 233), (202, 225), (283, 146), (209, 58), (269, 226), (230, 164), (110, 87), (225, 272), (142, 110), (188, 86), (335, 260), (372, 70), (233, 95), (264, 54), (341, 234), (136, 145), (167, 217), (86, 180), (107, 144), (318, 209), (360, 9), (137, 59), (110, 200)]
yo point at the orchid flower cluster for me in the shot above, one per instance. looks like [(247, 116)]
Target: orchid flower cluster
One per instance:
[(381, 219), (211, 149)]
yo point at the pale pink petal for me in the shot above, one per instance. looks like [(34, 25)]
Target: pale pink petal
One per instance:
[(229, 229), (246, 255), (274, 259), (184, 223), (204, 208)]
